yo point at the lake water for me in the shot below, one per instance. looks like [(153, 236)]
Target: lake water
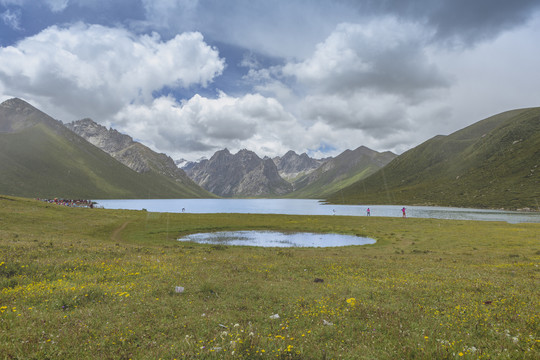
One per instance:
[(314, 207), (277, 239)]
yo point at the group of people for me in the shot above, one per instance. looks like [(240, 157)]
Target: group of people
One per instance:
[(70, 202)]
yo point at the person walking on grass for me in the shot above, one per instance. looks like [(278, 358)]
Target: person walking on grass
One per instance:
[(403, 211), (368, 212)]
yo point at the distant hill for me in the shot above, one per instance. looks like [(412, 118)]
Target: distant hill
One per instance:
[(133, 154), (243, 174), (40, 157), (294, 176), (494, 163), (339, 172)]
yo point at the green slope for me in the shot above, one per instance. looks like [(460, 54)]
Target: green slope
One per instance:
[(39, 157), (133, 154), (339, 172), (493, 163)]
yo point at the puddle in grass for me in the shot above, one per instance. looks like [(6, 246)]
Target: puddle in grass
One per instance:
[(277, 239)]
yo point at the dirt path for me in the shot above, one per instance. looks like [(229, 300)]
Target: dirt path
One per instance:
[(115, 236)]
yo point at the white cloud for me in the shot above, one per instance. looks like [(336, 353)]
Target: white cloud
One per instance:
[(92, 70), (193, 127), (364, 84), (384, 55), (369, 112), (200, 126), (493, 77), (380, 74)]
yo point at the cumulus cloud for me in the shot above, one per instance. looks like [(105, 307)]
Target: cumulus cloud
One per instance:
[(376, 114), (195, 126), (383, 55), (200, 126), (365, 79), (384, 74), (96, 70)]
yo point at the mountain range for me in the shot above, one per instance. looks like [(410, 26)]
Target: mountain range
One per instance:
[(336, 173), (243, 174), (292, 166), (493, 163), (40, 157)]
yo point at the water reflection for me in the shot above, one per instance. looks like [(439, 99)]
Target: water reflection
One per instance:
[(277, 239)]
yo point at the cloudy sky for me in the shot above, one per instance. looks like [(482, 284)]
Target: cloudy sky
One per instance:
[(190, 77)]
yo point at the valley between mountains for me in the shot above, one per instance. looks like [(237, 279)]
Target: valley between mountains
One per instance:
[(493, 163)]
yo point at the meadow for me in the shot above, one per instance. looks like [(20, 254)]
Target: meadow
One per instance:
[(92, 283)]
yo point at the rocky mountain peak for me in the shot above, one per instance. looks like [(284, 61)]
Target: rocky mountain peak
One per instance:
[(291, 165), (16, 103), (240, 174), (17, 114), (290, 154), (130, 153), (223, 152), (110, 141)]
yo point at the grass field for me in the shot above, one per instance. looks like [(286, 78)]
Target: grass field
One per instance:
[(94, 283)]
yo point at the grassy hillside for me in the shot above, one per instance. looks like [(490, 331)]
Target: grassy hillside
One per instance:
[(38, 162), (39, 157), (491, 164), (100, 284), (339, 172), (133, 154)]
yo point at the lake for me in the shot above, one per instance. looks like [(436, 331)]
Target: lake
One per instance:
[(314, 207)]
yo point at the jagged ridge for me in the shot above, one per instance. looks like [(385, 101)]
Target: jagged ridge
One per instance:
[(241, 174), (291, 166), (130, 153)]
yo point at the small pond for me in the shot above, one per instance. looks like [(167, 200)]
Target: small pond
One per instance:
[(277, 239)]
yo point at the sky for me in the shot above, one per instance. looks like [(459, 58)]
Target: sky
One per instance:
[(191, 77)]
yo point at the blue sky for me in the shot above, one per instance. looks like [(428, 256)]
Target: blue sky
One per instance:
[(190, 77)]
